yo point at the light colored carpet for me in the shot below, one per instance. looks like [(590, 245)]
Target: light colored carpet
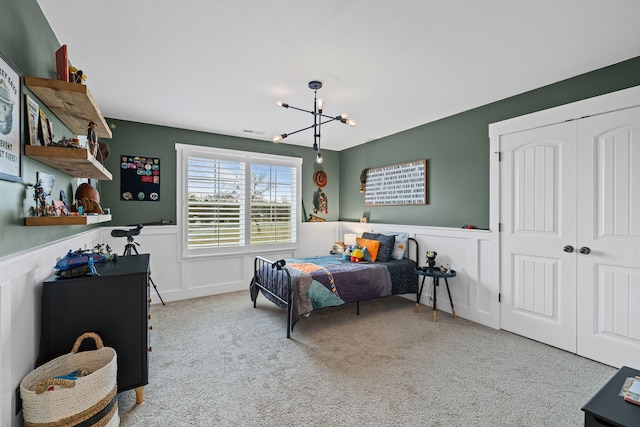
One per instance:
[(217, 361)]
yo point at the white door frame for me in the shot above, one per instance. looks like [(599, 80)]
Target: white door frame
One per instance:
[(613, 101)]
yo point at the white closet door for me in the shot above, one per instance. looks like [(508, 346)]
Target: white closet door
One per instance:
[(538, 205), (608, 219)]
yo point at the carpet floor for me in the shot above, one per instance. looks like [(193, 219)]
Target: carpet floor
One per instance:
[(217, 361)]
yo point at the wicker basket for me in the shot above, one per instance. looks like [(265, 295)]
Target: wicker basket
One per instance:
[(91, 399)]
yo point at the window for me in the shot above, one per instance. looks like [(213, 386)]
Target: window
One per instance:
[(234, 201)]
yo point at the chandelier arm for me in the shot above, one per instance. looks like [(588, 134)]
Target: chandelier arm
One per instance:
[(300, 130), (331, 119), (300, 109)]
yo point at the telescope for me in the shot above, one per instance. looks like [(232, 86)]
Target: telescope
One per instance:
[(130, 248), (127, 233)]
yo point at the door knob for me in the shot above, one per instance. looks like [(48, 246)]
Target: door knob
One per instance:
[(568, 249), (585, 250)]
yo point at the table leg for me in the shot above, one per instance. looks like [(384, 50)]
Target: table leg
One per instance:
[(139, 395), (453, 310), (417, 307), (435, 303)]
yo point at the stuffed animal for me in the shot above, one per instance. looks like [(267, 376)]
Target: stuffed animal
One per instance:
[(357, 255)]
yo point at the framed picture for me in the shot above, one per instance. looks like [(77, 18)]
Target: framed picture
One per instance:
[(10, 121), (43, 128), (33, 116), (399, 184)]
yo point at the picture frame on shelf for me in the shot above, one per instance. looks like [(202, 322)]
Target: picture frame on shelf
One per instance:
[(43, 128), (11, 114), (33, 116)]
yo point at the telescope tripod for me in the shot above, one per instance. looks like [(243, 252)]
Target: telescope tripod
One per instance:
[(131, 246)]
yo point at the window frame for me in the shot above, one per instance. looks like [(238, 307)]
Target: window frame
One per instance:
[(184, 151)]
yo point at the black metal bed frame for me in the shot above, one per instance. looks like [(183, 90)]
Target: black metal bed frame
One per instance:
[(278, 270)]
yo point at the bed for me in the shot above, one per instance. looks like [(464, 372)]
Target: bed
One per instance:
[(302, 285)]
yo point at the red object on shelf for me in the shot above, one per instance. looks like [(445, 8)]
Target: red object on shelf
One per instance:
[(62, 64)]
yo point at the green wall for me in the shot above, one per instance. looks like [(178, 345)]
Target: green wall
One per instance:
[(138, 139), (457, 149), (28, 41)]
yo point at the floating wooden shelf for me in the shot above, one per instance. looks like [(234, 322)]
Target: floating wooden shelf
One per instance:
[(67, 220), (72, 103), (77, 162)]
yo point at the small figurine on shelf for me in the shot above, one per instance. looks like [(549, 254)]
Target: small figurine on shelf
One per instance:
[(75, 75), (92, 139), (41, 199)]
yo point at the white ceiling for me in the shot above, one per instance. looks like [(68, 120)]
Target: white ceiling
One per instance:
[(220, 65)]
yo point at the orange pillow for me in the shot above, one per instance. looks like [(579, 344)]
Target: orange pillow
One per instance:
[(371, 245)]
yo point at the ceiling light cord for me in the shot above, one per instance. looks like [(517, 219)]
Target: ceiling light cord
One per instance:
[(318, 115)]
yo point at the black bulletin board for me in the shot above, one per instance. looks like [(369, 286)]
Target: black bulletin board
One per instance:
[(139, 178)]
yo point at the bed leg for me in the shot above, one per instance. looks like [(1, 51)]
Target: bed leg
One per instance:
[(358, 308), (289, 311)]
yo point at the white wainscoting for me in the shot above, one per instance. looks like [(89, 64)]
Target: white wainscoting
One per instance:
[(178, 279), (21, 280), (474, 290)]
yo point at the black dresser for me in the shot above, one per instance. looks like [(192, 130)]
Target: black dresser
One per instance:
[(115, 305)]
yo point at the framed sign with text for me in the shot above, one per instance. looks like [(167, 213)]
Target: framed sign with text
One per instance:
[(399, 184), (10, 121)]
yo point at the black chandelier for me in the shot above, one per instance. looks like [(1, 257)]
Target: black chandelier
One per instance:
[(318, 105)]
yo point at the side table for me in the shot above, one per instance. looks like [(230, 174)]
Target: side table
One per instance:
[(607, 408), (436, 274)]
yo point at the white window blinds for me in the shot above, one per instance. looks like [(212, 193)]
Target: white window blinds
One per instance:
[(232, 201), (273, 204), (215, 207)]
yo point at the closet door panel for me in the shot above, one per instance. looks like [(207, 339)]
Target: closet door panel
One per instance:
[(537, 187), (608, 217)]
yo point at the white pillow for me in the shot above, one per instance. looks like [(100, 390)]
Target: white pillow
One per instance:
[(401, 245)]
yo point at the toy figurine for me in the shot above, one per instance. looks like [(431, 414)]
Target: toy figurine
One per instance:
[(357, 255), (431, 258), (320, 202), (41, 199), (92, 139), (92, 267)]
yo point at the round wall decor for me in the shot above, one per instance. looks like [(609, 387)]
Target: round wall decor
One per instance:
[(320, 178)]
